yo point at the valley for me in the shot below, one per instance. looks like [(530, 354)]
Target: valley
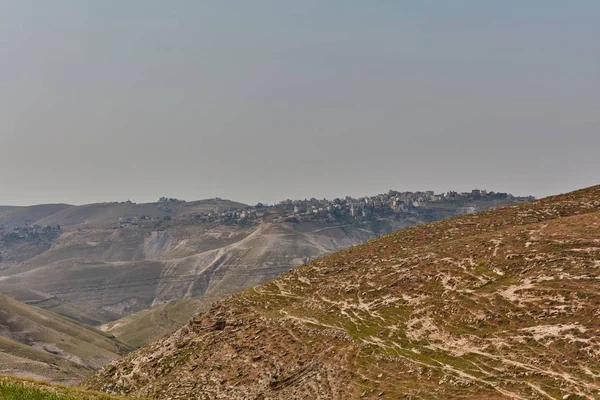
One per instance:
[(39, 344)]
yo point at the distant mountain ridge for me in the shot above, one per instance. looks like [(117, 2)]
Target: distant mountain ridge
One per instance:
[(13, 216), (102, 214)]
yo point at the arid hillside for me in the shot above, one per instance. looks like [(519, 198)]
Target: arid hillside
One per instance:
[(501, 304), (19, 216), (153, 323), (39, 344), (100, 262), (121, 271)]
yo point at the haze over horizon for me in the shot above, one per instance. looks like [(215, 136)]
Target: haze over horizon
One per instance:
[(263, 101)]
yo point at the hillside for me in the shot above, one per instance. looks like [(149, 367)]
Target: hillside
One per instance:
[(19, 216), (39, 344), (496, 305), (101, 215), (128, 270), (110, 260), (19, 389), (77, 312), (151, 324)]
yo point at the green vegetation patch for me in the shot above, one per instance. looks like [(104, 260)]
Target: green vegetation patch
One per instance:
[(16, 389)]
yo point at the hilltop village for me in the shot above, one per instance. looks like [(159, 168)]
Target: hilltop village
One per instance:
[(400, 204), (28, 232)]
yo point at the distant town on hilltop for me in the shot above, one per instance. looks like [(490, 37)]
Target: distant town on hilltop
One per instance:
[(386, 204), (426, 205)]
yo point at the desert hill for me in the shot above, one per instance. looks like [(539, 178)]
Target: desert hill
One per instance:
[(128, 270), (36, 343), (19, 216), (150, 324), (104, 214), (501, 304), (107, 261)]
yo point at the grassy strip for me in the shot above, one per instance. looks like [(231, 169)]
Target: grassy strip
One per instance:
[(20, 389)]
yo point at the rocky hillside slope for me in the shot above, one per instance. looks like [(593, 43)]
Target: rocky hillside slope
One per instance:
[(497, 305), (155, 322), (110, 260), (39, 344)]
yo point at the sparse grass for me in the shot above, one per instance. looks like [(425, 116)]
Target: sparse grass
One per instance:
[(150, 324), (443, 310), (17, 389)]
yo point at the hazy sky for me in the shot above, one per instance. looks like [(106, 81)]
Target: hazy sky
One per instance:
[(266, 100)]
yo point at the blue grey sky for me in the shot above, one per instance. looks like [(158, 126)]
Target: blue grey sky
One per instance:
[(265, 100)]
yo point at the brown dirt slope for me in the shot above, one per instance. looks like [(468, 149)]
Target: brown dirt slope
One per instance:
[(497, 305), (150, 324), (39, 344), (19, 216)]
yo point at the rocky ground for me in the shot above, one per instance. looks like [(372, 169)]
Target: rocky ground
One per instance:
[(496, 305)]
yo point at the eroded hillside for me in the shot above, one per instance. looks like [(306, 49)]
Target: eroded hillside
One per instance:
[(497, 305), (121, 271), (39, 344), (100, 262)]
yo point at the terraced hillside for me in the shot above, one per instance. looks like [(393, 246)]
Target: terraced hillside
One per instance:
[(39, 344), (497, 305)]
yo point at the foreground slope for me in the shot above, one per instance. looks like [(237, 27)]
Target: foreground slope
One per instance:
[(497, 305), (39, 344), (17, 389)]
